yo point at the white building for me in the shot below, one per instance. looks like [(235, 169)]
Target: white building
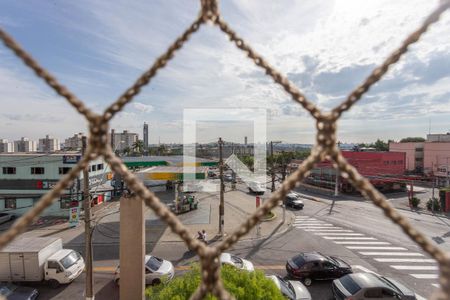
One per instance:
[(74, 142), (5, 146), (25, 145), (48, 144), (121, 141), (24, 178)]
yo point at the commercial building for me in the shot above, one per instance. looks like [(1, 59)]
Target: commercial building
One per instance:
[(382, 169), (121, 141), (25, 145), (24, 178), (48, 144), (5, 146), (414, 152), (430, 158), (437, 162), (74, 142)]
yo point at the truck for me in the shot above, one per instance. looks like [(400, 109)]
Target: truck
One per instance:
[(39, 259)]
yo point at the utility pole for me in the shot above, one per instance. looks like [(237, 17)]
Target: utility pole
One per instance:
[(87, 227), (336, 185), (272, 165), (222, 204), (272, 171)]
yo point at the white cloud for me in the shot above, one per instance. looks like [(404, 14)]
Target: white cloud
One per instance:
[(146, 108), (325, 47)]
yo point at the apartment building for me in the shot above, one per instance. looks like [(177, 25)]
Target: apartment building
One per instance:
[(48, 144), (74, 142), (121, 141), (5, 146), (25, 145)]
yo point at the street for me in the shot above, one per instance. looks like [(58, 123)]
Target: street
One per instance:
[(355, 231)]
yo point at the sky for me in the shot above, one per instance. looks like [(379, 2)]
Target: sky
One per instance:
[(326, 48)]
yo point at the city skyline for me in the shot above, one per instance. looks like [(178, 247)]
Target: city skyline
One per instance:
[(325, 48)]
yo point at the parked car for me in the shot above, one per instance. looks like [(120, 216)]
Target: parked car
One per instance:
[(311, 266), (293, 200), (237, 262), (5, 217), (228, 177), (359, 286), (255, 187), (13, 292), (293, 290), (156, 270)]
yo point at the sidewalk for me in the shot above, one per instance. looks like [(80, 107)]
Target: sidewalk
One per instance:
[(403, 204)]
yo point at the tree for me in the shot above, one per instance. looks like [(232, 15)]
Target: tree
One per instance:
[(242, 284), (126, 151), (381, 145), (248, 161), (412, 139), (138, 146)]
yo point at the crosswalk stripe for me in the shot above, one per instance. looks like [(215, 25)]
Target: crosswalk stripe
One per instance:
[(436, 285), (375, 248), (425, 276), (425, 268), (361, 243), (312, 225), (311, 228), (328, 230), (406, 260), (391, 253), (348, 238), (339, 234)]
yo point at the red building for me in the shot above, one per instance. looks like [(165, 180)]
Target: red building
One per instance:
[(384, 170)]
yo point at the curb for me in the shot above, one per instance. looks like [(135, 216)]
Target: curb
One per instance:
[(424, 212)]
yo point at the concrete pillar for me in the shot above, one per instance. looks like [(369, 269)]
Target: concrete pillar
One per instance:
[(132, 248)]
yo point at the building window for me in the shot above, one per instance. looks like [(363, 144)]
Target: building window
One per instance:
[(419, 149), (9, 170), (10, 203), (37, 170), (94, 168), (100, 167), (64, 170)]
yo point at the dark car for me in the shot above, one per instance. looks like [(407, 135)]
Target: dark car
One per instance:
[(14, 292), (311, 266), (361, 286), (293, 200)]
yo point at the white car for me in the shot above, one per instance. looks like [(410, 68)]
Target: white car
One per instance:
[(256, 187), (291, 289), (5, 217), (156, 270), (237, 262)]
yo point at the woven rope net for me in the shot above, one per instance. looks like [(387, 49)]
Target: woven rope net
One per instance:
[(325, 148)]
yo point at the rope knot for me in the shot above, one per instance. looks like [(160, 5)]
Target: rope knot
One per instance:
[(210, 10)]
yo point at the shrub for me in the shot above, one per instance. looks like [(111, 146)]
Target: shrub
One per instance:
[(437, 204), (415, 202), (242, 284)]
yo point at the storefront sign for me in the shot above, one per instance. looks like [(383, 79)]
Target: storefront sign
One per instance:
[(74, 216), (71, 159)]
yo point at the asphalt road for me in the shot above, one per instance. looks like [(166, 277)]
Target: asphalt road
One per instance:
[(355, 231)]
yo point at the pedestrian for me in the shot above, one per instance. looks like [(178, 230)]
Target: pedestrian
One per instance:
[(204, 236)]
